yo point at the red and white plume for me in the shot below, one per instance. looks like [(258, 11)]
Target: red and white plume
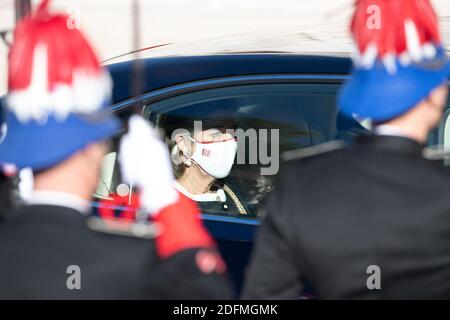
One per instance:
[(53, 69), (394, 29)]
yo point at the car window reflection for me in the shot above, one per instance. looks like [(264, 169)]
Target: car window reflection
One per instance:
[(263, 120)]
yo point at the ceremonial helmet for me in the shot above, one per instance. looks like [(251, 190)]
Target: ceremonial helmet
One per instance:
[(399, 58), (57, 93)]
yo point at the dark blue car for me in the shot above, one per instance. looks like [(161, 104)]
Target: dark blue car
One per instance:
[(290, 95)]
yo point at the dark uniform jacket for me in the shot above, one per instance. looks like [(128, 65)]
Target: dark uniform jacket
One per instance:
[(336, 218), (40, 243)]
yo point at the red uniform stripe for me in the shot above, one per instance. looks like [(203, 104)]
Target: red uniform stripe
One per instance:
[(182, 228)]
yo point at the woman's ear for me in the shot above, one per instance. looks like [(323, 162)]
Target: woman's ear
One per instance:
[(184, 145), (181, 144)]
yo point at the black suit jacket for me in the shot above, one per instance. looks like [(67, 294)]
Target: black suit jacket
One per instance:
[(38, 243), (377, 203)]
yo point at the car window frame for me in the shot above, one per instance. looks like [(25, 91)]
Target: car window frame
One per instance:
[(213, 83)]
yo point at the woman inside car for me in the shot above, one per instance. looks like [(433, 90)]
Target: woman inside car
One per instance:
[(202, 153)]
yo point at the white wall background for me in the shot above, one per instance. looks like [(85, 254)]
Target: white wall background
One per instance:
[(276, 23)]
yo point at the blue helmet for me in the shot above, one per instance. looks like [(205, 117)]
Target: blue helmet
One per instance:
[(57, 93), (399, 60)]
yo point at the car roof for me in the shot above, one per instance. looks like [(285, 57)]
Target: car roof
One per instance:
[(162, 72), (301, 40)]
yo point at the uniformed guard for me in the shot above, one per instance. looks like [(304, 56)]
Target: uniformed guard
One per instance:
[(57, 126), (369, 220)]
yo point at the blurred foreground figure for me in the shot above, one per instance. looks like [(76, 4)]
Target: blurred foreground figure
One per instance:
[(370, 220), (50, 248)]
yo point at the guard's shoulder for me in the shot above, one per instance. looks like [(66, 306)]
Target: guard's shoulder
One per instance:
[(139, 230), (314, 151)]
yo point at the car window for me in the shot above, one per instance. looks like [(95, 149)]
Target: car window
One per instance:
[(265, 120), (114, 198)]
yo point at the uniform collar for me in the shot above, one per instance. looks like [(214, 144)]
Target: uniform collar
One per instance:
[(60, 199), (395, 144), (388, 130)]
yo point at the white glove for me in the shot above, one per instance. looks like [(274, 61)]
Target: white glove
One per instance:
[(145, 162)]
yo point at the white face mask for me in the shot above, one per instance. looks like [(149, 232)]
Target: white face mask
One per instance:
[(215, 158)]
